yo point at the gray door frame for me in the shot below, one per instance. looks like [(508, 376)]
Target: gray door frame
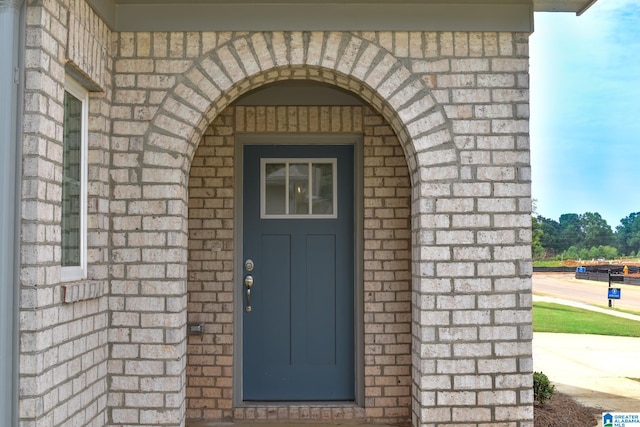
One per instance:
[(242, 139)]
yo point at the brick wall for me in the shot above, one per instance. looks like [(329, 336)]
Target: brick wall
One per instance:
[(387, 290), (63, 326), (455, 104), (473, 295), (210, 272), (387, 274)]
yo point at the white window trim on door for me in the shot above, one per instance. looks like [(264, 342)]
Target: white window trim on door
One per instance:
[(293, 160), (79, 272)]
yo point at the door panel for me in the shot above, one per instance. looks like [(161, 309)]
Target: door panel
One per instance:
[(298, 337), (320, 303), (276, 265)]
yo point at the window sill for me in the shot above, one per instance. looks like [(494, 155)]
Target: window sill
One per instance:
[(83, 290)]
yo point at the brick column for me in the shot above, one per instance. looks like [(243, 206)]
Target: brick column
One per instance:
[(148, 304)]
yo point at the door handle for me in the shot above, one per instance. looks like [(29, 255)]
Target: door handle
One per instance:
[(248, 282)]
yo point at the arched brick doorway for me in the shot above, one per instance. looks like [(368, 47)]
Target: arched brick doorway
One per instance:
[(383, 332), (347, 61)]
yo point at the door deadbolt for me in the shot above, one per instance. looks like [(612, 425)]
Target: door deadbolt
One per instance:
[(248, 265)]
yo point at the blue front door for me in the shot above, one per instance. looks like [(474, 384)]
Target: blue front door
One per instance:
[(298, 273)]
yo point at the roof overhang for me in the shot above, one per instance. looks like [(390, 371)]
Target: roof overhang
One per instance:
[(349, 15), (576, 6)]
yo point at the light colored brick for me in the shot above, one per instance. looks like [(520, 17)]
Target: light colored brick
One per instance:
[(464, 110)]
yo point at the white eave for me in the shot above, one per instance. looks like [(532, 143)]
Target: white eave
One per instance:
[(576, 6), (349, 15)]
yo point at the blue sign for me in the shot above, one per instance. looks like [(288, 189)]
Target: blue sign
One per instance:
[(614, 293)]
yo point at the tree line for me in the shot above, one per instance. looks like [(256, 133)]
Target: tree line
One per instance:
[(585, 236)]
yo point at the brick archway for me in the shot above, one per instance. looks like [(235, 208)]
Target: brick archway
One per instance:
[(340, 59), (250, 61)]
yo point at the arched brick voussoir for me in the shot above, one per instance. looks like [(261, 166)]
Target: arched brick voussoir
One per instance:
[(446, 155), (169, 133), (439, 172), (412, 100), (426, 123), (172, 125), (331, 51), (188, 109), (261, 50), (379, 71), (188, 103), (234, 70), (342, 59), (278, 48), (365, 62), (217, 76), (296, 47), (180, 116), (246, 55), (397, 78), (198, 81), (349, 54), (434, 139), (314, 48)]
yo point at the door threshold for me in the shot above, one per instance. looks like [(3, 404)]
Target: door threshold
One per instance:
[(325, 413), (297, 403), (281, 424)]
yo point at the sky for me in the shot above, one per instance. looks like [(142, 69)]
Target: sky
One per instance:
[(585, 111)]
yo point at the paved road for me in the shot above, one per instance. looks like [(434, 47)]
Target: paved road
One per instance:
[(564, 285)]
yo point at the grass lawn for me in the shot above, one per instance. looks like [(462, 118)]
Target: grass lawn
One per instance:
[(548, 317), (547, 263)]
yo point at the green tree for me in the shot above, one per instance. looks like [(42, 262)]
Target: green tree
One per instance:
[(596, 230), (584, 254), (609, 252), (571, 253), (606, 252), (571, 233), (628, 234), (550, 238), (536, 234), (584, 236)]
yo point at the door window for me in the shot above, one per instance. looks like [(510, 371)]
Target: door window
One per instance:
[(298, 188)]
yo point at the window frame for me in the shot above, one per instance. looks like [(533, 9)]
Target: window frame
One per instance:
[(78, 272), (288, 161)]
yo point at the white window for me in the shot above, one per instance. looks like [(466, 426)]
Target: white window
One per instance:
[(298, 188), (74, 182)]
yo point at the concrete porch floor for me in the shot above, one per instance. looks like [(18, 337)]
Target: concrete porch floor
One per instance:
[(279, 424)]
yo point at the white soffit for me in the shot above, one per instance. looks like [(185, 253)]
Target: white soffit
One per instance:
[(308, 15), (576, 6)]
